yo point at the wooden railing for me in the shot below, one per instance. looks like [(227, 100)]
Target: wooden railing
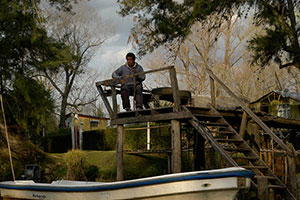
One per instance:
[(113, 83), (240, 103)]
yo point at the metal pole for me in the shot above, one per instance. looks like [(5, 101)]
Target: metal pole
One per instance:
[(148, 135)]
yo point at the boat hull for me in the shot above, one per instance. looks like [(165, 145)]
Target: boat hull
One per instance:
[(162, 188)]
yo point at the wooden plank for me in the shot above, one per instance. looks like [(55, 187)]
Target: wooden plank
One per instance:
[(152, 118), (176, 147), (175, 89), (243, 125), (105, 100), (212, 92), (114, 80), (114, 101), (120, 146), (249, 112)]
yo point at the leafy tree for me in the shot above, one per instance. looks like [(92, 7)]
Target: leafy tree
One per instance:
[(30, 105), (163, 21), (25, 48)]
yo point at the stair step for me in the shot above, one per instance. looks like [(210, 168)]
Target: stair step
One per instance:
[(207, 116), (215, 124), (228, 140), (268, 177), (245, 157), (255, 167), (236, 149), (277, 186), (224, 132)]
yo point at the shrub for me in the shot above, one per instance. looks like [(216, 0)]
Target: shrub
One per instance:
[(76, 162)]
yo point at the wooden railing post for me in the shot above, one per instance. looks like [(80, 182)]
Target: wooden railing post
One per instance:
[(175, 89), (105, 100)]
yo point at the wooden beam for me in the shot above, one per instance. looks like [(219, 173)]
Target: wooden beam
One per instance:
[(105, 100), (152, 118), (114, 81), (114, 101), (212, 92), (176, 147), (120, 145), (252, 115), (175, 89)]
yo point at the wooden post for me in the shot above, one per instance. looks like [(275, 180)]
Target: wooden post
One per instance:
[(212, 92), (262, 186), (114, 101), (292, 177), (174, 85), (199, 152), (243, 125), (176, 147), (106, 103), (120, 145)]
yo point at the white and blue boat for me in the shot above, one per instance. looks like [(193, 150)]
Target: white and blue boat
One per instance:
[(219, 184)]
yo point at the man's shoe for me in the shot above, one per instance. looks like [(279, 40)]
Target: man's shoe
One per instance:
[(127, 109)]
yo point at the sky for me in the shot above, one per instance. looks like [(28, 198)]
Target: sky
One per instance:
[(112, 54)]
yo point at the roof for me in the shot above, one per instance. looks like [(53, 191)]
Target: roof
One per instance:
[(90, 116), (285, 93), (203, 101)]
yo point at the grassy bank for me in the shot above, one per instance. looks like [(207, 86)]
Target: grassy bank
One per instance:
[(135, 166)]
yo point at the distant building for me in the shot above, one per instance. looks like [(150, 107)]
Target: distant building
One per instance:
[(88, 122), (279, 103)]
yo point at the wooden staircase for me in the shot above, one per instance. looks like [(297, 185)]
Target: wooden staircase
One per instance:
[(234, 149)]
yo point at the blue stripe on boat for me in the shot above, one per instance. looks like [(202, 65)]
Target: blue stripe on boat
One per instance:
[(89, 188)]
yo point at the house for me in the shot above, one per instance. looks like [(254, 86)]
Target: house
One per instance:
[(88, 122), (279, 103)]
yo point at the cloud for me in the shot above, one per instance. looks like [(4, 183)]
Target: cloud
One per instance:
[(113, 51)]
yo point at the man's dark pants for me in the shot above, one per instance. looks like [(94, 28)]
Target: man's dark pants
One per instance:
[(128, 90)]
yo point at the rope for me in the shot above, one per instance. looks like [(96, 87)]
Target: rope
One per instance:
[(8, 145)]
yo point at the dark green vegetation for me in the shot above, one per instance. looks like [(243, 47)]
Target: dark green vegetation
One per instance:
[(162, 21)]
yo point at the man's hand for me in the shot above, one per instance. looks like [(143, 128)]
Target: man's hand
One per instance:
[(122, 81)]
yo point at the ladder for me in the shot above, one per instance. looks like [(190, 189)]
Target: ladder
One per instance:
[(232, 147)]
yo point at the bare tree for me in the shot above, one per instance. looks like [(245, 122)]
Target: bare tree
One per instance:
[(83, 32)]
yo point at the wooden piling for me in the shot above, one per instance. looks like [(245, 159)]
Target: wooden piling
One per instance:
[(262, 187), (176, 147)]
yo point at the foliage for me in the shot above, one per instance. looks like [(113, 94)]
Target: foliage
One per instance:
[(30, 105), (159, 22)]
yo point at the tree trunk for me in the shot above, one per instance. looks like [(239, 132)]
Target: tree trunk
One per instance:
[(63, 107)]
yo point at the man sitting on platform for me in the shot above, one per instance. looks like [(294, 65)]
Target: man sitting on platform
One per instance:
[(130, 85)]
